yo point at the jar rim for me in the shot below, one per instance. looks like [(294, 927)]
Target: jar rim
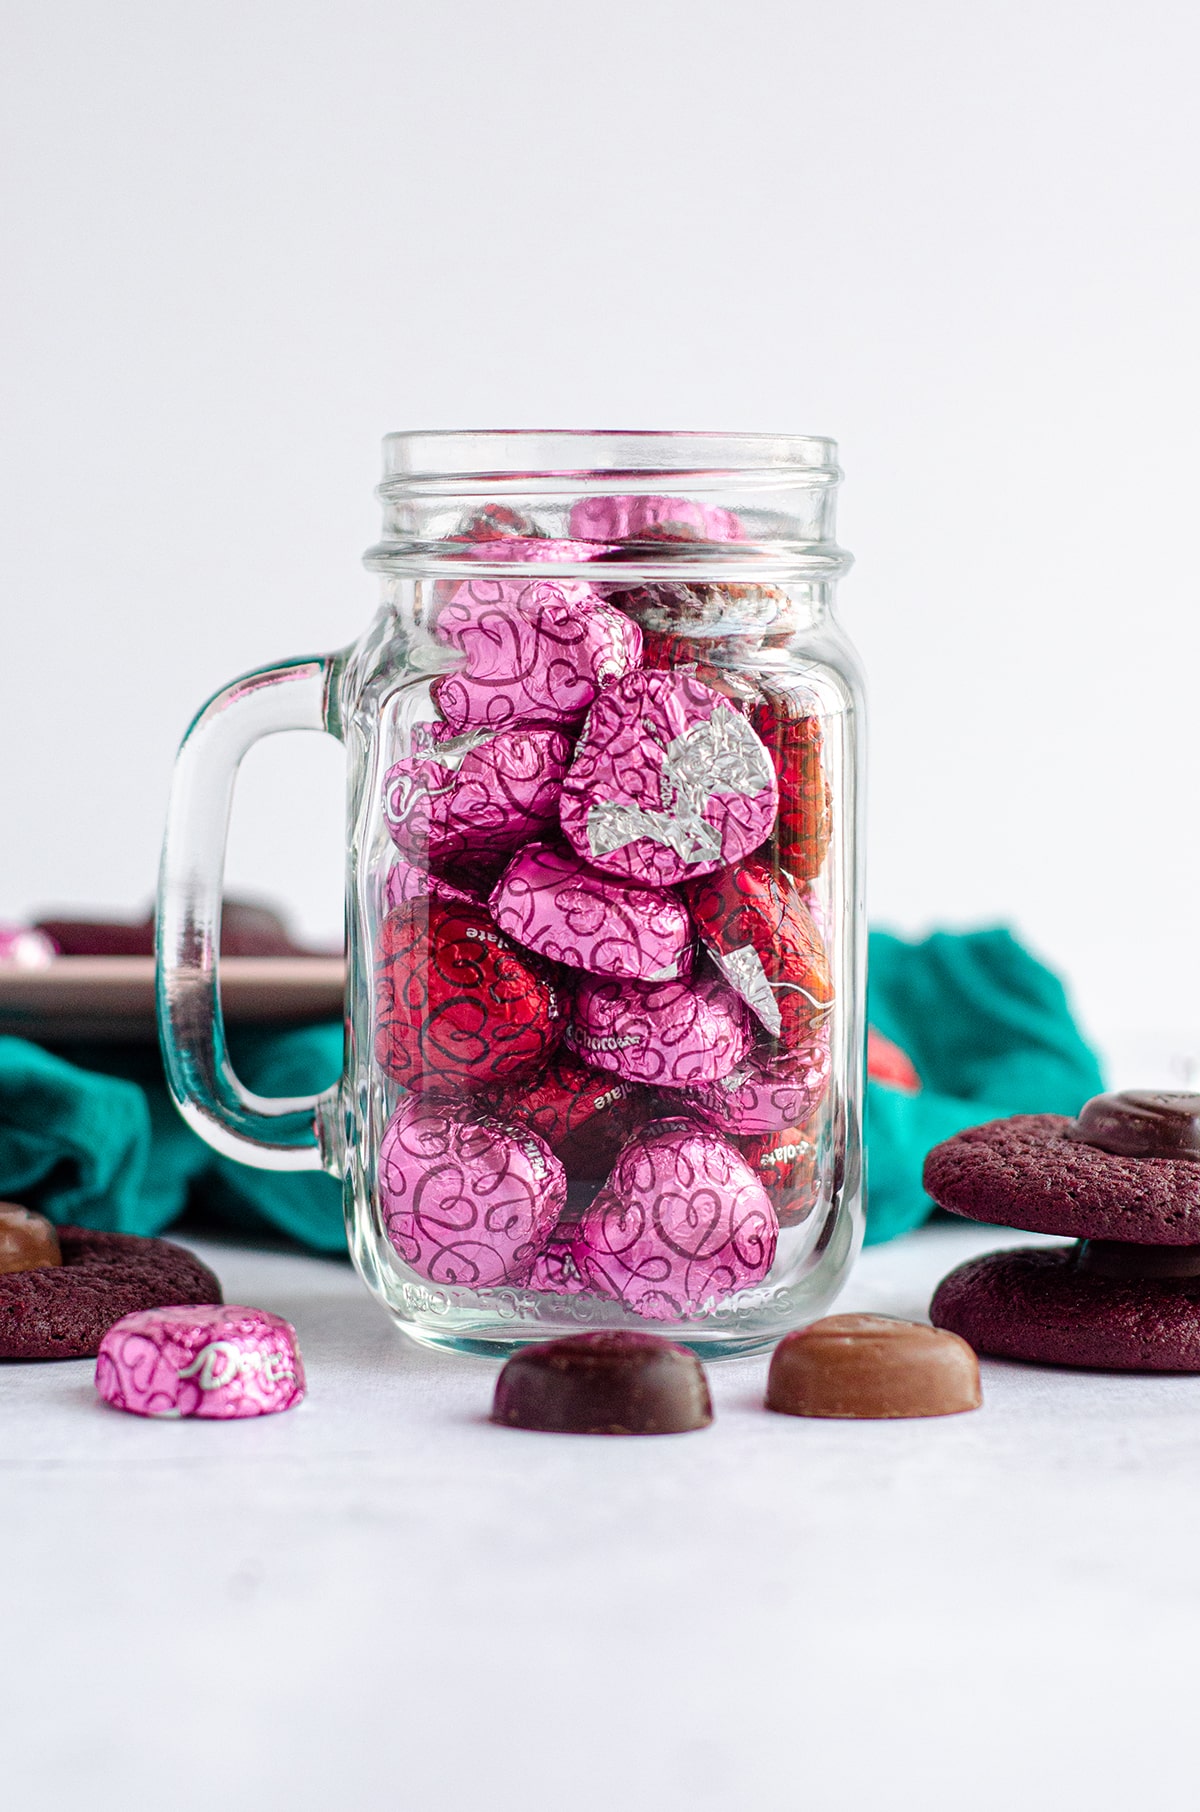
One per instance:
[(436, 456)]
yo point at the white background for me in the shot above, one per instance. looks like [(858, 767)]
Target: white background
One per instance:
[(243, 240)]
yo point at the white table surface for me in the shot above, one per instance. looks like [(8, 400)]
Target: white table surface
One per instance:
[(380, 1599)]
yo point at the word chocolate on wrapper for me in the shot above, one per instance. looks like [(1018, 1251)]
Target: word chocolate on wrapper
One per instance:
[(467, 1203), (785, 1163), (537, 650), (455, 999), (584, 1115), (762, 939), (680, 1225), (213, 1362), (550, 901), (664, 1033), (764, 1095), (474, 796), (668, 781)]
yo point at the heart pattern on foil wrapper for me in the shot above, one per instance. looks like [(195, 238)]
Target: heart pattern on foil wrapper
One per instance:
[(681, 1224), (765, 1094), (535, 651), (668, 781), (476, 796), (215, 1362), (550, 901), (666, 1034), (466, 1203), (455, 1000)]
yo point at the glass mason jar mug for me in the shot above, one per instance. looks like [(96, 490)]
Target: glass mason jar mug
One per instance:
[(604, 985)]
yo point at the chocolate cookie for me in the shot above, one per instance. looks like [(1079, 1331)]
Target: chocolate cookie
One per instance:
[(1035, 1171), (64, 1311), (1045, 1304)]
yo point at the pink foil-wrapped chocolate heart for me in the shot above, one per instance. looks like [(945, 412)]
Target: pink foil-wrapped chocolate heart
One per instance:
[(764, 1095), (466, 1203), (555, 904), (680, 1225), (656, 518), (668, 781), (475, 796), (403, 882), (669, 1034), (213, 1361), (536, 650)]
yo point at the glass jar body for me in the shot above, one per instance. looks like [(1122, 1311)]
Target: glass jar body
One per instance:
[(605, 995)]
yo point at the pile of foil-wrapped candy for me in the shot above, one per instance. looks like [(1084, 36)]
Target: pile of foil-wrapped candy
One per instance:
[(600, 978)]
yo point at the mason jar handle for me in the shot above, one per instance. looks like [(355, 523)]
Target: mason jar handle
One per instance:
[(273, 1133)]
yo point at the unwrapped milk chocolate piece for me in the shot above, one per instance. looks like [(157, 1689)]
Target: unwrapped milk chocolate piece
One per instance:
[(466, 1202), (27, 1240), (614, 1381), (456, 1001), (474, 797), (668, 781), (536, 651), (216, 1362), (761, 937), (872, 1367), (550, 901), (681, 1224), (668, 1034)]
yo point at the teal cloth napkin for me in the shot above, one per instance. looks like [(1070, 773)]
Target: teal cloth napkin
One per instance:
[(990, 1032), (89, 1136)]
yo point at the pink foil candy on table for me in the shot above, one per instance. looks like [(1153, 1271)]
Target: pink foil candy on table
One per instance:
[(467, 1203), (26, 948), (212, 1361), (668, 781), (474, 796), (680, 1225), (555, 904), (651, 518), (764, 1095), (537, 651), (668, 1034)]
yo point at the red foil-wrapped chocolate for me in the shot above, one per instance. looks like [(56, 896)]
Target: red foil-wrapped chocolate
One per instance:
[(668, 781), (759, 933), (764, 1095), (651, 518), (468, 1203), (474, 796), (584, 1115), (668, 1034), (555, 904), (536, 650), (455, 999), (680, 1225), (785, 1163), (792, 733)]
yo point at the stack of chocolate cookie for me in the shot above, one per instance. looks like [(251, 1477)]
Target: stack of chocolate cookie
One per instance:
[(1123, 1180)]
